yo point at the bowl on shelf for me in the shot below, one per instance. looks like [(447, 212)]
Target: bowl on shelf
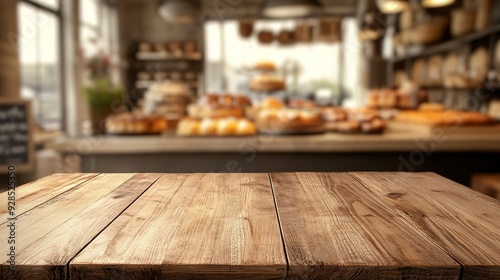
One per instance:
[(425, 34), (406, 37), (430, 30)]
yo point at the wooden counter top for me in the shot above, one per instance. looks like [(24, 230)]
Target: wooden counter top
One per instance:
[(391, 141), (253, 226)]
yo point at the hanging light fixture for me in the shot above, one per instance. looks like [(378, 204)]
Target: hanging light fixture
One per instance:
[(371, 29), (289, 8), (436, 3), (179, 11), (392, 6)]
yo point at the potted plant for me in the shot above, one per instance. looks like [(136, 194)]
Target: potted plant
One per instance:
[(103, 97)]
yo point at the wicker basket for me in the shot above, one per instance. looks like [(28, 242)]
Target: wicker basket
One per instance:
[(407, 19), (462, 21), (430, 30), (483, 15), (406, 37), (426, 34)]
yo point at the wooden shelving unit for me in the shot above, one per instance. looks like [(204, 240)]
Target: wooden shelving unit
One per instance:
[(450, 45), (168, 57), (487, 37), (154, 62)]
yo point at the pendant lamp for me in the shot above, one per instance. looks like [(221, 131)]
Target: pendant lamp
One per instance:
[(392, 6), (436, 3), (290, 8), (179, 11)]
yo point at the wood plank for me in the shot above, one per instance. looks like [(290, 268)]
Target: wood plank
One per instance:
[(50, 235), (334, 228), (461, 221), (30, 195), (191, 226)]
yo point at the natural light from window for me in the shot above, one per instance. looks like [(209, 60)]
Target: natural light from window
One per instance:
[(315, 61), (38, 43)]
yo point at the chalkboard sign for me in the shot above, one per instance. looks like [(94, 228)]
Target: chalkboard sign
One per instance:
[(16, 144)]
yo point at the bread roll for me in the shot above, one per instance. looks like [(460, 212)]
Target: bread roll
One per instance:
[(188, 127), (226, 127), (208, 127), (272, 103), (245, 127)]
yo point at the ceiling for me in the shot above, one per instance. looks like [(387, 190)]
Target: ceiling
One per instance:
[(228, 9)]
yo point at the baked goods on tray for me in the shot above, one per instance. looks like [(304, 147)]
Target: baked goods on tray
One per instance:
[(353, 120), (135, 124), (167, 99), (216, 127), (406, 97), (219, 106), (201, 111), (333, 114), (289, 121), (301, 104), (266, 66), (431, 107), (268, 103), (267, 83)]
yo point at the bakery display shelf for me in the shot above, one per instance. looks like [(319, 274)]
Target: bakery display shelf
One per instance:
[(449, 45), (155, 56), (166, 65)]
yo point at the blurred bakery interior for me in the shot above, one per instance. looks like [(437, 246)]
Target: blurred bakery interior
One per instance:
[(255, 86)]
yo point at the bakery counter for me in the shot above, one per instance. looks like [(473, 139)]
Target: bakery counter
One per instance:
[(391, 141), (454, 156)]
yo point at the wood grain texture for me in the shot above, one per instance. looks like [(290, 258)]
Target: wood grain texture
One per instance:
[(463, 222), (35, 193), (334, 228), (191, 226), (50, 235)]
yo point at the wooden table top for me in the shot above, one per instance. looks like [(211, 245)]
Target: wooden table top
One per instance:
[(252, 226)]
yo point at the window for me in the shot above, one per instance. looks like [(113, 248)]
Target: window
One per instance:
[(51, 4), (99, 31), (90, 33), (320, 66), (306, 58), (39, 55)]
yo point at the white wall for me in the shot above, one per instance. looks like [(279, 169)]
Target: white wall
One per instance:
[(316, 60)]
